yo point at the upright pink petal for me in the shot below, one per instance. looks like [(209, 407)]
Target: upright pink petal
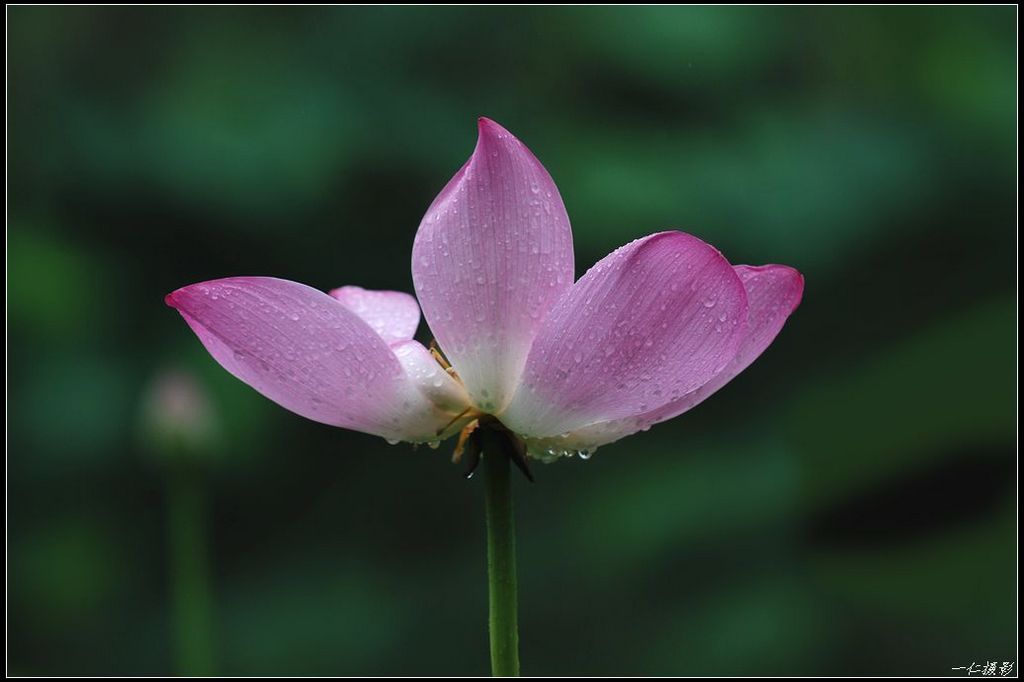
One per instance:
[(394, 315), (773, 293), (651, 322), (491, 257), (308, 353)]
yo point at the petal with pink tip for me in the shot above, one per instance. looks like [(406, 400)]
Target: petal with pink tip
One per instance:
[(651, 322), (308, 353), (773, 293), (392, 314), (492, 255)]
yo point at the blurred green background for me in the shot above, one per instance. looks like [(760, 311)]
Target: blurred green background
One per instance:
[(845, 506)]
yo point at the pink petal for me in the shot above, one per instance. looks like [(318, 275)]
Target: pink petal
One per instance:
[(653, 321), (773, 293), (303, 350), (438, 385), (492, 255), (392, 314)]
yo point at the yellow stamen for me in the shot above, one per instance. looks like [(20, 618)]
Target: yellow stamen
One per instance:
[(463, 438), (456, 418), (442, 360), (438, 355)]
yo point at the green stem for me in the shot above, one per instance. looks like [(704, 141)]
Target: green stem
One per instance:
[(190, 580), (501, 564)]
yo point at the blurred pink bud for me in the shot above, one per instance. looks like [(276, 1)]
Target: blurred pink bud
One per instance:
[(177, 414)]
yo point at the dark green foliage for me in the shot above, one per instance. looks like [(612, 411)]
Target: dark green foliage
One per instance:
[(846, 506)]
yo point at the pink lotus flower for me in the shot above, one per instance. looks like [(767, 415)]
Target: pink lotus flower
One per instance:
[(650, 331)]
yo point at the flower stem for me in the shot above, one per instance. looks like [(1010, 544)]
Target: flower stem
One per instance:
[(189, 575), (501, 563)]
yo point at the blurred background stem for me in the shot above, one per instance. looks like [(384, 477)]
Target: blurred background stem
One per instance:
[(190, 585), (501, 565)]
